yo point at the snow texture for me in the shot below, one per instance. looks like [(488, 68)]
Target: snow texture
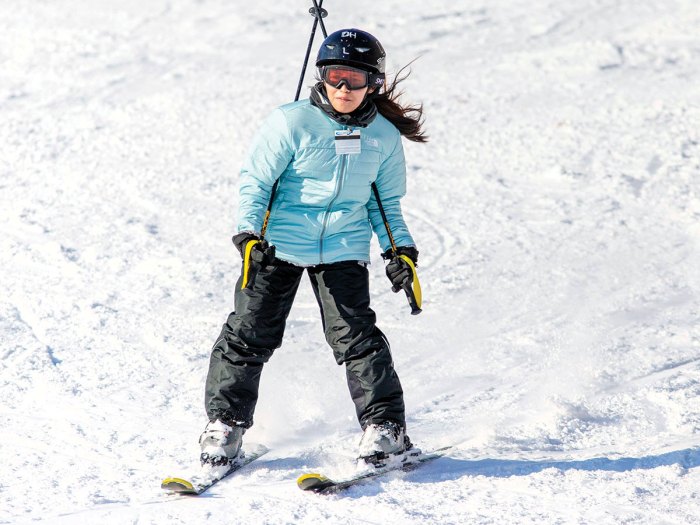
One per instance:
[(556, 209)]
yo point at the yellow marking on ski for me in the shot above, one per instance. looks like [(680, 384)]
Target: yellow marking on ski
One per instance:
[(311, 475), (177, 481)]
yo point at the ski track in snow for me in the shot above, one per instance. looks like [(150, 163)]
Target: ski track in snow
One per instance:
[(556, 208)]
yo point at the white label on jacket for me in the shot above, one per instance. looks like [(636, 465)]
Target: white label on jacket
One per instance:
[(347, 142)]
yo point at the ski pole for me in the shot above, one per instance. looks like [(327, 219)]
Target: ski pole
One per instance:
[(319, 14), (413, 294)]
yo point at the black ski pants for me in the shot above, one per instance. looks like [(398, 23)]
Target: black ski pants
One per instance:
[(256, 327)]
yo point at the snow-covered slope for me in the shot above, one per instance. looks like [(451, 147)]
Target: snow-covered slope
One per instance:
[(557, 212)]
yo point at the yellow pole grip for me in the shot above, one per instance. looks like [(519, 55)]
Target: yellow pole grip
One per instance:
[(246, 260), (417, 293)]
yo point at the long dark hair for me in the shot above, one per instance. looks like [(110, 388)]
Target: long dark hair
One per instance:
[(407, 119)]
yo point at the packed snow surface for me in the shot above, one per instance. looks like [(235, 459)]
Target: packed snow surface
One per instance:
[(556, 209)]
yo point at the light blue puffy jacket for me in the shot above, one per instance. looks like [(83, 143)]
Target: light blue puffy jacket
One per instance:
[(324, 210)]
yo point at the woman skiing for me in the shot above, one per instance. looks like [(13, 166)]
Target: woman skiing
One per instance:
[(321, 155)]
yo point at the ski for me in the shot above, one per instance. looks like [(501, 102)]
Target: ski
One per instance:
[(202, 481), (315, 482)]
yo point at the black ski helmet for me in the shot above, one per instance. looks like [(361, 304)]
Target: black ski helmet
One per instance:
[(353, 47)]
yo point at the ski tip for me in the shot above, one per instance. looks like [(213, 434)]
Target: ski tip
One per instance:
[(178, 485), (313, 481)]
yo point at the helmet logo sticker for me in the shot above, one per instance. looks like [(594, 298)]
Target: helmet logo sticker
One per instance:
[(352, 47)]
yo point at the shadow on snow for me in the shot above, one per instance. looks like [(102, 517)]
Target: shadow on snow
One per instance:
[(449, 468)]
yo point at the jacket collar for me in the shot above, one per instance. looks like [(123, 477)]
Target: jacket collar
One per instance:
[(361, 117)]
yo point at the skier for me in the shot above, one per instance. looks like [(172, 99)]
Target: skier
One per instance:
[(323, 153)]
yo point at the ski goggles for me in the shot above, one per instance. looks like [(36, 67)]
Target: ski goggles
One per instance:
[(352, 77)]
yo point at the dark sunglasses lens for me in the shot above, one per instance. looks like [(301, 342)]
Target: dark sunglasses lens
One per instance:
[(354, 78)]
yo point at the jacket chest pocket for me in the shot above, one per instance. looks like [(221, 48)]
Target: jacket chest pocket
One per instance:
[(362, 172), (318, 163), (365, 166)]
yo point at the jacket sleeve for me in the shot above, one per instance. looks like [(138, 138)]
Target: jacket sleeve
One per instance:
[(391, 184), (269, 156)]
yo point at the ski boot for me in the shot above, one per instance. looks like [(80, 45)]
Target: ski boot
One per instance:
[(221, 446), (383, 441)]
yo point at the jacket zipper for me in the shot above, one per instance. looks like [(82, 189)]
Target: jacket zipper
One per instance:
[(336, 193)]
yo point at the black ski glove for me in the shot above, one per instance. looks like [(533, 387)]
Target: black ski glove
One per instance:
[(262, 253), (398, 271)]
